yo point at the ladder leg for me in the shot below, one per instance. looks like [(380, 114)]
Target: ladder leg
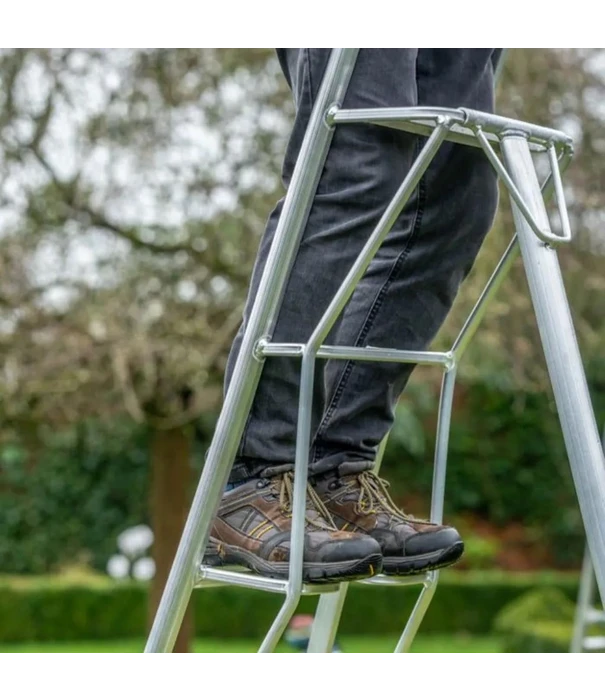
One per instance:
[(301, 468), (585, 598), (437, 499), (330, 605), (417, 615), (248, 368), (561, 352), (327, 619)]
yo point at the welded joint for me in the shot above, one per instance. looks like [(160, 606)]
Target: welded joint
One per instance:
[(294, 591), (431, 581), (330, 115), (451, 361), (259, 348)]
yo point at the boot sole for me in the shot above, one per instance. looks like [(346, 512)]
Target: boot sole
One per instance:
[(408, 566), (313, 572)]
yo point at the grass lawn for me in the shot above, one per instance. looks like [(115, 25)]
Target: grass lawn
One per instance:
[(427, 644)]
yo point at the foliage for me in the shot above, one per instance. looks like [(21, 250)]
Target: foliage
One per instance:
[(51, 609), (544, 637), (89, 484), (135, 184), (538, 621), (540, 605), (68, 498), (507, 464)]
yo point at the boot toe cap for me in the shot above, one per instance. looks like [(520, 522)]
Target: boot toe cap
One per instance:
[(432, 541)]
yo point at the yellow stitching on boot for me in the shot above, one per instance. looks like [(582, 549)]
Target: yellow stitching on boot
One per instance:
[(264, 530), (258, 527)]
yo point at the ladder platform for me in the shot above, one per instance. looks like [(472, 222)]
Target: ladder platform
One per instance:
[(211, 577), (423, 120)]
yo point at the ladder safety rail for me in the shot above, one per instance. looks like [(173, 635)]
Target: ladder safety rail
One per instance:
[(515, 141)]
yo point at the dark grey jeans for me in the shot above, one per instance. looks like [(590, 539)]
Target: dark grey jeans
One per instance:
[(410, 286)]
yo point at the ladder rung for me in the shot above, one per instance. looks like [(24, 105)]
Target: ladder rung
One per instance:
[(594, 643), (346, 352), (210, 577), (595, 615)]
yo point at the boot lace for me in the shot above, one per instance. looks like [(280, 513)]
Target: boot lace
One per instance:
[(286, 497), (374, 497)]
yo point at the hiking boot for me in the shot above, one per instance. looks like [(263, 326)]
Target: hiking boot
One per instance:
[(358, 501), (252, 529)]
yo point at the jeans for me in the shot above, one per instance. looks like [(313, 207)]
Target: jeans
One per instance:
[(410, 286)]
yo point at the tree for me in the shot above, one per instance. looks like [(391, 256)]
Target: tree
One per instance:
[(135, 185)]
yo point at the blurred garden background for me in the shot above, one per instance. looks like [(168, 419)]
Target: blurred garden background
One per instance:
[(134, 187)]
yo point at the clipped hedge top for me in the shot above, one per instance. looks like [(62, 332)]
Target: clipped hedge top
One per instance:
[(78, 605)]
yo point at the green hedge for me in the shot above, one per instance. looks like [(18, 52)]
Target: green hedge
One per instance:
[(540, 638), (536, 622), (43, 610)]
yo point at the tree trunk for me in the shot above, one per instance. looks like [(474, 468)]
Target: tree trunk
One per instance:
[(170, 501)]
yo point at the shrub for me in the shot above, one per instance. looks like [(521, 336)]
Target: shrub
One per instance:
[(44, 609), (538, 621)]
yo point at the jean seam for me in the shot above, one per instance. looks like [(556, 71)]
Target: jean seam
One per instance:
[(371, 317)]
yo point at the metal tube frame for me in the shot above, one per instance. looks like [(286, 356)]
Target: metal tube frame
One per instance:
[(515, 140), (247, 371), (330, 605), (561, 351)]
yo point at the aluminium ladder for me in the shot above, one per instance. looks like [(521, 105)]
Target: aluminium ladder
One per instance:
[(509, 145), (587, 614)]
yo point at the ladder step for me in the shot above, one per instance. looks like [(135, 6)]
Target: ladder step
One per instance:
[(347, 352), (595, 615), (382, 580), (210, 577), (594, 643), (423, 120)]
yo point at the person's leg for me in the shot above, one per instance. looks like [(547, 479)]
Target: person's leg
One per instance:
[(364, 167), (402, 302)]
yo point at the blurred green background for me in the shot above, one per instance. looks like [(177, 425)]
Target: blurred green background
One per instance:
[(134, 187)]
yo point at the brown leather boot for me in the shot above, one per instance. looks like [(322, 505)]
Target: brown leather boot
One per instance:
[(252, 529), (358, 501)]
